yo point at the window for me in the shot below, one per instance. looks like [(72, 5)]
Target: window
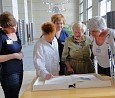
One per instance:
[(89, 3), (108, 5), (81, 10), (102, 7), (89, 9), (81, 1), (89, 12), (105, 6)]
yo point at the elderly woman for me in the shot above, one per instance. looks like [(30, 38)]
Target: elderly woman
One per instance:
[(76, 53), (103, 44)]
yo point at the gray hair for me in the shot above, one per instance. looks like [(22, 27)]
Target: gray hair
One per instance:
[(97, 23), (80, 25)]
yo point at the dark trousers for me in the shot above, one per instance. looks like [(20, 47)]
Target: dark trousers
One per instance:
[(11, 85), (62, 68), (105, 71)]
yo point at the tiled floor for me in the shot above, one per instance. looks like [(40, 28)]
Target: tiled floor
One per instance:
[(28, 57), (29, 71)]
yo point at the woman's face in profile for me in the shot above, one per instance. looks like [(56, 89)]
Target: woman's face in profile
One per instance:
[(95, 33), (11, 29)]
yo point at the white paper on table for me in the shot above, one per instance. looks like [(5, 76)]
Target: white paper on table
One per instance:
[(83, 78), (59, 80)]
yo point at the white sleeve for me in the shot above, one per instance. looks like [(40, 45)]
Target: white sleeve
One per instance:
[(39, 60)]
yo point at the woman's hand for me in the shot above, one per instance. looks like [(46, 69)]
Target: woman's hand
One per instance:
[(49, 76), (18, 55), (4, 58), (70, 70)]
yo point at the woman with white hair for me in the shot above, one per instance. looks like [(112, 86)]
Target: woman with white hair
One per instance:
[(103, 44), (76, 53)]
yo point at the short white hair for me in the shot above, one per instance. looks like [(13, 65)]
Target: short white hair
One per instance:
[(97, 23), (79, 25)]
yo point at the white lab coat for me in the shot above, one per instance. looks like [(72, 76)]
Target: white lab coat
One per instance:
[(46, 57)]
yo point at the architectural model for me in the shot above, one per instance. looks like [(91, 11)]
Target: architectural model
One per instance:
[(72, 82)]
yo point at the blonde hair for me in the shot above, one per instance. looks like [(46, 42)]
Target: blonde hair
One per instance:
[(79, 25), (57, 17)]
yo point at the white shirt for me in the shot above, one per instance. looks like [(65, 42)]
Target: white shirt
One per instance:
[(46, 57), (101, 52)]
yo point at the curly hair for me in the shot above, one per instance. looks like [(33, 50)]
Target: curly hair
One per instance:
[(48, 28)]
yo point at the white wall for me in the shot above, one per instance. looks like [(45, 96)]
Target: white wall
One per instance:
[(23, 10), (41, 14), (11, 6), (15, 9)]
